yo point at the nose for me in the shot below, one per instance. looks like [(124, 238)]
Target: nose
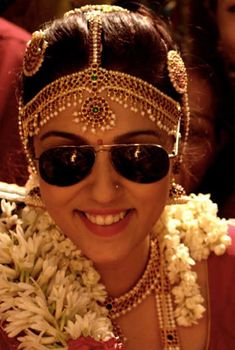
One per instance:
[(103, 180)]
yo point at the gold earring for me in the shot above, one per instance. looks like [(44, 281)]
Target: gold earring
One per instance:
[(34, 199), (33, 195), (177, 194)]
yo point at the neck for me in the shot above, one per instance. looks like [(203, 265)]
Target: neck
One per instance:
[(120, 277)]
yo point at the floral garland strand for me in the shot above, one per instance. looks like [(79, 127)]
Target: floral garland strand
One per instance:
[(188, 233), (50, 293)]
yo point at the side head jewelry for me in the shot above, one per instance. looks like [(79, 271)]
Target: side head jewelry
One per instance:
[(179, 79), (34, 54), (90, 90)]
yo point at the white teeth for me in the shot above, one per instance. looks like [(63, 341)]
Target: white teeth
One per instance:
[(105, 219)]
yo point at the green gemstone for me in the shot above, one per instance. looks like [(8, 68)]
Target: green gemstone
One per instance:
[(94, 77), (95, 109)]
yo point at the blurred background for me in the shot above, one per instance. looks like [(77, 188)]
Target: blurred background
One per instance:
[(30, 14)]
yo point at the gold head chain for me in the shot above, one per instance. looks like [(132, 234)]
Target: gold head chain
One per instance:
[(90, 90)]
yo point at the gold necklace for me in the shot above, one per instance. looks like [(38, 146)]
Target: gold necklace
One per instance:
[(153, 280)]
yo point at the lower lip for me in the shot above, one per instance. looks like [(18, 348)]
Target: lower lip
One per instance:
[(106, 230)]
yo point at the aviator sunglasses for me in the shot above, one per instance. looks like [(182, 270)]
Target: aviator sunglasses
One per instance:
[(68, 165)]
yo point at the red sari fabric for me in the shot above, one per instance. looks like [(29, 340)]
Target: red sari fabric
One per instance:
[(7, 343), (221, 271)]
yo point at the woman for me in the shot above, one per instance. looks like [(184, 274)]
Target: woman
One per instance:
[(104, 101)]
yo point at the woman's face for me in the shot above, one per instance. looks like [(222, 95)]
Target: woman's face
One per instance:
[(226, 25), (129, 211)]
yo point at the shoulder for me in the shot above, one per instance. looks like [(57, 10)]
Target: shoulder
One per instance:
[(221, 278), (221, 289)]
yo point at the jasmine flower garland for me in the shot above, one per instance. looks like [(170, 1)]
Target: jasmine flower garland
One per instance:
[(50, 293), (188, 233), (48, 290)]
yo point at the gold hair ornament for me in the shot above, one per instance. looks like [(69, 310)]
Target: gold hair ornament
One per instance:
[(90, 90), (179, 79), (34, 54), (93, 10), (177, 71)]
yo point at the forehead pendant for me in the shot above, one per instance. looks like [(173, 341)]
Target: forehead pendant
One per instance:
[(94, 112)]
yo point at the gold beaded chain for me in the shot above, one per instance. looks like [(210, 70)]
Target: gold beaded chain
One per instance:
[(153, 280)]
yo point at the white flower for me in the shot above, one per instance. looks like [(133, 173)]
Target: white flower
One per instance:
[(34, 341), (5, 249), (90, 277), (101, 328), (8, 219), (188, 233), (46, 286), (77, 302), (7, 208), (74, 329), (90, 325), (48, 270)]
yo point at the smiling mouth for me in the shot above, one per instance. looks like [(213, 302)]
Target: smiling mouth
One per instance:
[(105, 220)]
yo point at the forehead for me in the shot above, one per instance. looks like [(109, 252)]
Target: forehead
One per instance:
[(127, 121)]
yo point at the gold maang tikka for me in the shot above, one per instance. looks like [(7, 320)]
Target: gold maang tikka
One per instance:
[(90, 90)]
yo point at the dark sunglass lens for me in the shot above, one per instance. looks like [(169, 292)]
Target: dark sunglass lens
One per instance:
[(141, 163), (65, 166)]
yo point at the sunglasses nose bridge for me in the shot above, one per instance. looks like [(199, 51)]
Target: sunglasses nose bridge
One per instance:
[(103, 180), (102, 148), (102, 160), (113, 167)]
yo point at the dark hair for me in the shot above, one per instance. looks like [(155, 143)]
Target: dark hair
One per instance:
[(136, 43)]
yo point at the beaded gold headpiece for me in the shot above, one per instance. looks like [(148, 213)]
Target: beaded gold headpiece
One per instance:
[(90, 90)]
